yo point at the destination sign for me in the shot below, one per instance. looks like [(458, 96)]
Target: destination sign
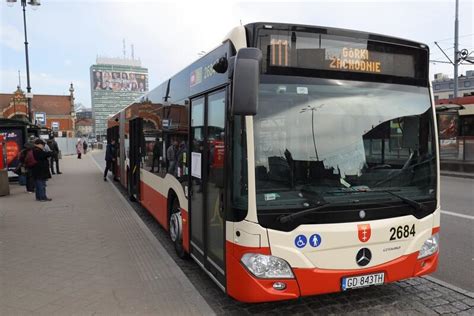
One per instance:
[(306, 50), (355, 59)]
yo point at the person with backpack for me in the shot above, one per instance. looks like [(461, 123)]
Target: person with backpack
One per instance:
[(40, 169)]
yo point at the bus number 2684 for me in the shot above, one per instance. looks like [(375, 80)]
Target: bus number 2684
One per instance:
[(402, 232)]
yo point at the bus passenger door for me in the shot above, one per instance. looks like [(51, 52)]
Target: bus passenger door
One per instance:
[(207, 182), (136, 134)]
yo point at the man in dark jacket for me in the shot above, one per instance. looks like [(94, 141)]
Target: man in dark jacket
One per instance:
[(110, 154), (30, 181), (156, 155), (41, 170), (53, 145)]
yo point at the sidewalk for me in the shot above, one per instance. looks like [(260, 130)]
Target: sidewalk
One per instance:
[(85, 253)]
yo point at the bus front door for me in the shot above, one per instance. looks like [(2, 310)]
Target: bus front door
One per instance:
[(207, 183)]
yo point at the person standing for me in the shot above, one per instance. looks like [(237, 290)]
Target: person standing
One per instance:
[(53, 145), (110, 154), (156, 155), (25, 165), (84, 146), (181, 159), (171, 156), (41, 170), (79, 148)]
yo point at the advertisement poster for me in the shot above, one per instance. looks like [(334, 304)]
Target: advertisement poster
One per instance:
[(14, 144), (119, 81), (448, 125)]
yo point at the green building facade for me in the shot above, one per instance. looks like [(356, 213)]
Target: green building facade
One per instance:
[(115, 83)]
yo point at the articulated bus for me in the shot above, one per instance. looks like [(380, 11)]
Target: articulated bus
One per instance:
[(291, 161)]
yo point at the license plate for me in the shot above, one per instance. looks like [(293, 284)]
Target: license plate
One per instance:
[(355, 282)]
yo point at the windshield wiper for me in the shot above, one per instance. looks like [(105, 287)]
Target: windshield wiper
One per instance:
[(288, 218), (416, 205)]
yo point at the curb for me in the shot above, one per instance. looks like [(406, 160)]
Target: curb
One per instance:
[(450, 286), (457, 175)]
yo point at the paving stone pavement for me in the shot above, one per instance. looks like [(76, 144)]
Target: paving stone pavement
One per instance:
[(417, 296), (85, 253)]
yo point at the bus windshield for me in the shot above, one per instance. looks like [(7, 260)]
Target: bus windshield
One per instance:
[(320, 141)]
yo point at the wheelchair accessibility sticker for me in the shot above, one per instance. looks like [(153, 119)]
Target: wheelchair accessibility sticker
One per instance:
[(314, 241), (300, 241)]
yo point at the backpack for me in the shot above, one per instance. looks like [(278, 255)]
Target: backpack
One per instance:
[(30, 160)]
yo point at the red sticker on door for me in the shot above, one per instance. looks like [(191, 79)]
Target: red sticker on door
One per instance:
[(364, 232)]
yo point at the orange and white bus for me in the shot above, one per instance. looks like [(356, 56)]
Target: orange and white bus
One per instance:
[(292, 161)]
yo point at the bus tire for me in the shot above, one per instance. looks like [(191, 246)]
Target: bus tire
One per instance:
[(176, 228)]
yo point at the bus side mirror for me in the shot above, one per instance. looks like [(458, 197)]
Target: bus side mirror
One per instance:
[(246, 81)]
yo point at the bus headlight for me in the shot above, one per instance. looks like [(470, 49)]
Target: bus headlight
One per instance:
[(268, 267), (429, 247)]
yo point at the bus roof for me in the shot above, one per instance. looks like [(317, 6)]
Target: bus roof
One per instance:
[(251, 27), (243, 36)]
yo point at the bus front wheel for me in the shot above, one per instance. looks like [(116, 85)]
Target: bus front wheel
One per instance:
[(176, 229)]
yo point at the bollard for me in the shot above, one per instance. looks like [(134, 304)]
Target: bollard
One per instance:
[(4, 185)]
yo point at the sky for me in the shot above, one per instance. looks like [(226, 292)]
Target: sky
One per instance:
[(66, 36)]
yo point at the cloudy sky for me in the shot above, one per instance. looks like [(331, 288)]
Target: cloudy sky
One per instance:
[(66, 36)]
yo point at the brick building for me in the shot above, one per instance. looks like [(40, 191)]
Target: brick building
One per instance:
[(58, 110), (84, 127)]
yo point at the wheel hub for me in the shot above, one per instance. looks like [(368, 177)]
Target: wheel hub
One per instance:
[(175, 226)]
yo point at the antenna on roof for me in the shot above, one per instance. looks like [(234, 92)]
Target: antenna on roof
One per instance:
[(124, 50), (133, 52), (19, 80)]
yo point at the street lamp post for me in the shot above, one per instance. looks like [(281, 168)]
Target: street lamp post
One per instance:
[(33, 3), (313, 109)]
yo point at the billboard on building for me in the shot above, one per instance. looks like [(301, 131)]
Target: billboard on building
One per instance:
[(119, 81)]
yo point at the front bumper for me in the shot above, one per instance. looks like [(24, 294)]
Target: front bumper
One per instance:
[(244, 287)]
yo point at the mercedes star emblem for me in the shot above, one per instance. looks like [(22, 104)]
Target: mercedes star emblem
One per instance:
[(363, 257), (362, 214)]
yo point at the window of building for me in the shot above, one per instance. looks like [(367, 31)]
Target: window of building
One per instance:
[(450, 96), (451, 86), (467, 83), (436, 98), (437, 87)]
